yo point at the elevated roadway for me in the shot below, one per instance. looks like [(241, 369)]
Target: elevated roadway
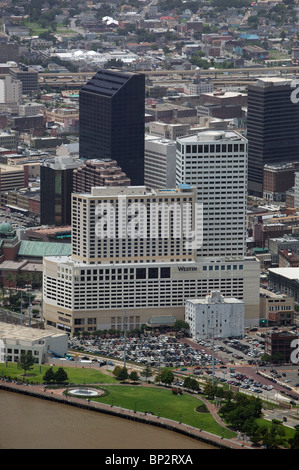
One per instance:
[(228, 77)]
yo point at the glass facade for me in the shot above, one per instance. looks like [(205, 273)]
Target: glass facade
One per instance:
[(55, 196), (111, 121), (272, 130)]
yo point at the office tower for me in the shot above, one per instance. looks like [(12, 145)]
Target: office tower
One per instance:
[(159, 162), (28, 77), (56, 184), (272, 128), (215, 163), (111, 120), (10, 90), (98, 173)]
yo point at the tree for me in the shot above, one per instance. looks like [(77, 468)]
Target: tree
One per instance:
[(123, 374), (26, 361), (114, 63), (191, 383), (60, 376), (166, 376), (209, 390), (275, 436), (147, 372), (134, 376), (116, 371), (49, 375), (294, 442), (181, 325)]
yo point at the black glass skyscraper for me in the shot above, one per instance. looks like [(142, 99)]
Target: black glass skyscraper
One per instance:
[(56, 185), (272, 128), (111, 120)]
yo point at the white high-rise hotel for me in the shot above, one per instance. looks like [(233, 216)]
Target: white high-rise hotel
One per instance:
[(123, 270), (215, 163)]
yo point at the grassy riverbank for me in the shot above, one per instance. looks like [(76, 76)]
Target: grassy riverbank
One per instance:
[(163, 403), (76, 375)]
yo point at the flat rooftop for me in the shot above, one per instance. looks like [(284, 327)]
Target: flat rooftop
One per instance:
[(212, 135), (15, 332), (290, 273)]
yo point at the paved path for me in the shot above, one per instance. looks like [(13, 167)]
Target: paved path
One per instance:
[(58, 396)]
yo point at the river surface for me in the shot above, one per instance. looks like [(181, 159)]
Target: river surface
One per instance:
[(32, 423)]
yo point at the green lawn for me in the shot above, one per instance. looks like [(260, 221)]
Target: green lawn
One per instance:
[(174, 407), (76, 375), (37, 29), (265, 422)]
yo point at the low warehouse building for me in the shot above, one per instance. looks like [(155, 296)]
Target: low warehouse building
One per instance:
[(16, 339)]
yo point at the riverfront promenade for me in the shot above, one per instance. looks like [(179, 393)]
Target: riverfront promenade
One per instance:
[(58, 396)]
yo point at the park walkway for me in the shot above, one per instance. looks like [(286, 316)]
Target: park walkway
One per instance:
[(58, 396)]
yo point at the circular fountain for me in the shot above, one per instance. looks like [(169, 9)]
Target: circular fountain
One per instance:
[(83, 392)]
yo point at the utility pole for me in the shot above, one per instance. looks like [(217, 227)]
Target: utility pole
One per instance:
[(21, 310), (125, 337), (29, 310), (213, 358)]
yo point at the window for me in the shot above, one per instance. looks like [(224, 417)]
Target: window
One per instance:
[(140, 273), (153, 273), (165, 273)]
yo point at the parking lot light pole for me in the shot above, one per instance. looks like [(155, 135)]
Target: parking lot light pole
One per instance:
[(125, 338)]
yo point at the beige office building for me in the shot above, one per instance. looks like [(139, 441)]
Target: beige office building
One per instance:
[(140, 270)]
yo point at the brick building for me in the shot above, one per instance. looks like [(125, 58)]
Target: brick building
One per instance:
[(98, 173), (280, 343), (278, 179)]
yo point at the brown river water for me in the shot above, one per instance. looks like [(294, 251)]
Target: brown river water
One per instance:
[(32, 423)]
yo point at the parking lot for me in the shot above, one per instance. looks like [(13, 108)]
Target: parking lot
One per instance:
[(157, 351), (237, 362)]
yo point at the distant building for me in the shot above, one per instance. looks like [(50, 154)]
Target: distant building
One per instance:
[(286, 259), (9, 51), (26, 123), (278, 179), (13, 177), (285, 281), (31, 109), (197, 87), (159, 162), (98, 173), (275, 245), (295, 51), (9, 242), (168, 130), (10, 90), (215, 316), (276, 309), (270, 140), (28, 77), (9, 139), (64, 116), (280, 343), (296, 190)]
